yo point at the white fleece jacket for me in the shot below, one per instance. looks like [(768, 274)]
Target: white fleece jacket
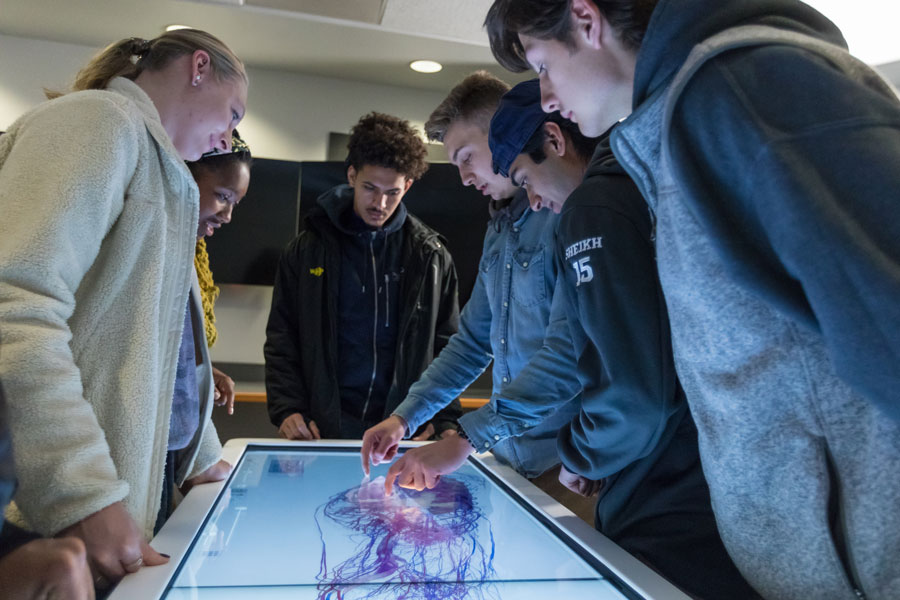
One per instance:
[(98, 215)]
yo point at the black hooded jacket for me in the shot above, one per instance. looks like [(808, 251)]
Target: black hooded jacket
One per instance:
[(337, 343)]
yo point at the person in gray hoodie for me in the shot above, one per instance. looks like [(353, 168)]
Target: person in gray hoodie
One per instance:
[(364, 297), (769, 158)]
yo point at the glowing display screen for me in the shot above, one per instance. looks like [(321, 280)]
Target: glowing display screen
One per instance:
[(302, 523)]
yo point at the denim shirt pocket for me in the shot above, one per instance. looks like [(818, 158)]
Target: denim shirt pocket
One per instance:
[(489, 272), (529, 286)]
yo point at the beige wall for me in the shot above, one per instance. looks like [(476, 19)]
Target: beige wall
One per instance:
[(290, 115)]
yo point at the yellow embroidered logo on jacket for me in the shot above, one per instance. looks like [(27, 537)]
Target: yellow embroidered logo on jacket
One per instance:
[(317, 271)]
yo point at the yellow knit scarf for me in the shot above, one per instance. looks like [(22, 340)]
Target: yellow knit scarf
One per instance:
[(209, 291)]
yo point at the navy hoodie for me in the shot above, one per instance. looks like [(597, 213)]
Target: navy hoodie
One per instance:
[(368, 305), (619, 325)]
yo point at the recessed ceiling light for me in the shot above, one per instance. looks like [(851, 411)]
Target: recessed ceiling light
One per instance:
[(174, 27), (425, 66)]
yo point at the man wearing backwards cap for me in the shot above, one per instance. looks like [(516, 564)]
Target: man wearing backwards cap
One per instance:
[(634, 437), (507, 320)]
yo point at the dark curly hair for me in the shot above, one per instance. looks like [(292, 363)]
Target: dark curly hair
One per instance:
[(385, 141)]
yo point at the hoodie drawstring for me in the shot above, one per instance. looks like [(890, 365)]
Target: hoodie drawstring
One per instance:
[(387, 300), (387, 287), (374, 324)]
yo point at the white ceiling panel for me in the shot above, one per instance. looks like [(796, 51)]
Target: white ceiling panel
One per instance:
[(459, 20), (317, 44), (363, 40)]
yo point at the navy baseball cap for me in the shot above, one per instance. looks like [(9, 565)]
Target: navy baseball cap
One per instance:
[(517, 118)]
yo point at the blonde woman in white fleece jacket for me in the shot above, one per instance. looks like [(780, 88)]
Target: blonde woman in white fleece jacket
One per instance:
[(98, 217)]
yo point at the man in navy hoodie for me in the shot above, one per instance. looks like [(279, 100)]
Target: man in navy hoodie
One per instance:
[(365, 297), (770, 161)]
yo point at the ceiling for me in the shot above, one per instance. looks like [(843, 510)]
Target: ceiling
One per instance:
[(332, 38), (362, 40)]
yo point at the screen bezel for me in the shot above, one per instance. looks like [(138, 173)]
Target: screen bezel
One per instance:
[(180, 535)]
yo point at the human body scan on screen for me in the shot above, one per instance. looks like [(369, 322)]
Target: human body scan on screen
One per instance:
[(301, 523)]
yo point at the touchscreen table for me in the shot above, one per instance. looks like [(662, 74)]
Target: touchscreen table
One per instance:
[(300, 523), (297, 520)]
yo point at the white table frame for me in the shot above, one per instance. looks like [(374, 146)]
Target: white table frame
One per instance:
[(179, 531)]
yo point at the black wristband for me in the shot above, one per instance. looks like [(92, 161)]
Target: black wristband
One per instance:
[(462, 433)]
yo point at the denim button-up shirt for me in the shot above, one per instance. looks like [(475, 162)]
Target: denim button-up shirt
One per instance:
[(505, 320)]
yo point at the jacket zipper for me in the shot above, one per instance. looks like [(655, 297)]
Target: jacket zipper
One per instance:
[(403, 324), (374, 328), (387, 301)]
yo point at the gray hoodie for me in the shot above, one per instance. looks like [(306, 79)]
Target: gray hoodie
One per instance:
[(781, 275)]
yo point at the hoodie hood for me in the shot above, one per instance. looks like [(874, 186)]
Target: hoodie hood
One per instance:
[(676, 26), (337, 205), (603, 161)]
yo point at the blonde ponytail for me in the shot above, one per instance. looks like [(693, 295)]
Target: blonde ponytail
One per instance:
[(116, 60), (129, 57)]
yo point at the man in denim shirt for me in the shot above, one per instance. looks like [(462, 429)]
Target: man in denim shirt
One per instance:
[(505, 320)]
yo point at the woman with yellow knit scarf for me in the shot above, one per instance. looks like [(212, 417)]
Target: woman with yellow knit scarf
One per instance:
[(223, 179)]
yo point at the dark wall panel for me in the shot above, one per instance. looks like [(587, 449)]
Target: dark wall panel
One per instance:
[(282, 192), (247, 249)]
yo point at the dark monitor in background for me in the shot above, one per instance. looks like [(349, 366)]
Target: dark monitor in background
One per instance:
[(282, 192), (247, 249), (439, 199)]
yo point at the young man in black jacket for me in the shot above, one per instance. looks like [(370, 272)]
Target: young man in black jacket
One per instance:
[(768, 158), (634, 438), (365, 297)]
